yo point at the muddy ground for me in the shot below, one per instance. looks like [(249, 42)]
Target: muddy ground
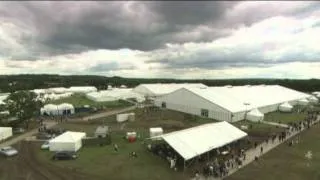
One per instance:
[(26, 166)]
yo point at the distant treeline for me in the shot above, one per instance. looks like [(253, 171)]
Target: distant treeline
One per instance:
[(9, 83)]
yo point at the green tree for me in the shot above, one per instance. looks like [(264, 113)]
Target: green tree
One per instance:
[(24, 105)]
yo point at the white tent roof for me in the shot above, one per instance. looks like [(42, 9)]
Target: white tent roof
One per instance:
[(303, 100), (255, 112), (235, 98), (194, 141), (64, 106), (50, 107), (286, 104), (160, 89), (116, 93), (69, 136), (82, 89)]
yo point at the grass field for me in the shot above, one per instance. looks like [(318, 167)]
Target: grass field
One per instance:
[(284, 118), (258, 129), (79, 100), (103, 161), (287, 163)]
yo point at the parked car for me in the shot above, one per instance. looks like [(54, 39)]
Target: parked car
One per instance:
[(45, 145), (8, 151), (43, 136), (64, 155)]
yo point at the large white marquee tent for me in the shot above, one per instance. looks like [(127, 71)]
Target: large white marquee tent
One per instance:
[(198, 140), (154, 90), (68, 141), (115, 94), (230, 103), (82, 89)]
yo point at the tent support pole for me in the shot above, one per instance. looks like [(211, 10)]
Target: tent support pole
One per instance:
[(184, 165)]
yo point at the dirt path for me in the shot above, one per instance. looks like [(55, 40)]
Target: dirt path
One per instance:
[(27, 166), (49, 124), (253, 152), (109, 113)]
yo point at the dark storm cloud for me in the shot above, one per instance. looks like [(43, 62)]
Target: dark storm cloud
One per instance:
[(74, 27)]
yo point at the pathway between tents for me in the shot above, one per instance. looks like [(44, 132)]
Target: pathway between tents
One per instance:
[(275, 124), (109, 113), (21, 137), (252, 153)]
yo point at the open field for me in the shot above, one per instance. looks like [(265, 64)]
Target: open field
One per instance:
[(79, 100), (284, 118), (287, 163)]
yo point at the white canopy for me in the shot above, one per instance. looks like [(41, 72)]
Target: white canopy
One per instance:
[(303, 102), (68, 141), (66, 107), (285, 107), (155, 131), (50, 109), (5, 133), (255, 115), (197, 140), (313, 99)]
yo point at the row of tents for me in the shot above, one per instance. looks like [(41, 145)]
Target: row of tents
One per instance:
[(61, 109), (256, 115)]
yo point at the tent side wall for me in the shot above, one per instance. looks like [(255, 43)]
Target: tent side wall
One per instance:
[(63, 146), (5, 133), (185, 101)]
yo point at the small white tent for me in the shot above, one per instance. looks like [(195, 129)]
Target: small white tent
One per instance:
[(5, 133), (49, 109), (303, 102), (156, 131), (255, 115), (65, 109), (313, 99), (285, 107), (68, 141)]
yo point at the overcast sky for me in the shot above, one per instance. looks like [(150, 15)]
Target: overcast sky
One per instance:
[(231, 39)]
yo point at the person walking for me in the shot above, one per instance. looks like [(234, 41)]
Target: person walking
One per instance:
[(261, 149)]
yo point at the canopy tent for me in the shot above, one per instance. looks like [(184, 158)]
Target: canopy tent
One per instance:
[(285, 107), (255, 115), (156, 131), (49, 109), (68, 141), (65, 108), (5, 133), (313, 99), (82, 89), (195, 141), (303, 102), (114, 95)]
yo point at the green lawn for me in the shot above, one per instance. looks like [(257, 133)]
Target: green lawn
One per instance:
[(105, 162), (287, 163), (258, 129), (284, 118), (79, 100)]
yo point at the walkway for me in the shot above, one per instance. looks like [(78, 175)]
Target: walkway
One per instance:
[(275, 124), (252, 153), (21, 137), (108, 113)]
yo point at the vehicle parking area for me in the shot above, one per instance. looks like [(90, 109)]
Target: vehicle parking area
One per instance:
[(27, 166)]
